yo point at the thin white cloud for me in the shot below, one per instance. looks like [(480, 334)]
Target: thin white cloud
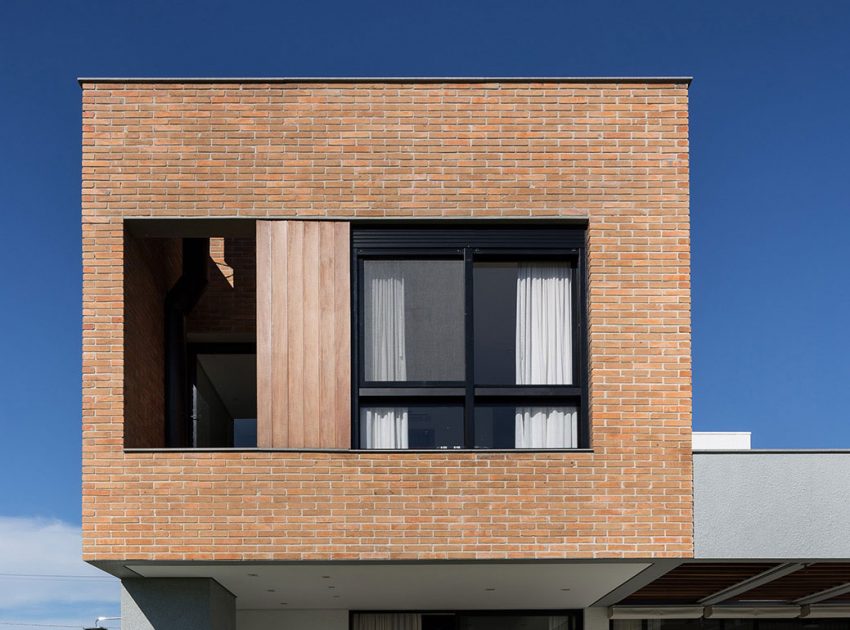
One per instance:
[(36, 546), (77, 620)]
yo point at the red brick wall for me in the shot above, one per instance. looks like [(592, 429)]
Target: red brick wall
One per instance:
[(227, 311), (616, 154), (151, 267)]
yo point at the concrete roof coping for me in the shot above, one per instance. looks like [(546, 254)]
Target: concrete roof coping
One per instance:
[(556, 79)]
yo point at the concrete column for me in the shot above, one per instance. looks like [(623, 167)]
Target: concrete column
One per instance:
[(176, 604), (594, 619)]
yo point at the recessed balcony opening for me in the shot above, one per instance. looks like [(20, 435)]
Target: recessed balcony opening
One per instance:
[(190, 302)]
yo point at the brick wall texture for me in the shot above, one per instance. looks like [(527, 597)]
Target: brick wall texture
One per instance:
[(151, 267), (227, 311), (613, 153)]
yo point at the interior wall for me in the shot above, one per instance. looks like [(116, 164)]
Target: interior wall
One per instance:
[(213, 421), (151, 267), (227, 311)]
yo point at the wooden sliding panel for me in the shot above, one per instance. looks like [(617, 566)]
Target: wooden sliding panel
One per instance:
[(303, 334)]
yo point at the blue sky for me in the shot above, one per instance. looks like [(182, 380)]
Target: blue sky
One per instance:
[(770, 204)]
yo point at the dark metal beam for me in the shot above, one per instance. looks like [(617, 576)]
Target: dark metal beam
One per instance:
[(749, 584)]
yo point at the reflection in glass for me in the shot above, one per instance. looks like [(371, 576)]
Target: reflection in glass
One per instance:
[(413, 316), (514, 622), (412, 426), (513, 426), (523, 323)]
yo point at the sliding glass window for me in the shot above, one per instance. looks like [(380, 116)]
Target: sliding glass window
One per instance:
[(468, 620), (469, 338)]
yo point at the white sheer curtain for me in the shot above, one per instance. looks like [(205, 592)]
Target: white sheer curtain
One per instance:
[(386, 354), (546, 427), (384, 427), (544, 352), (394, 621), (544, 346)]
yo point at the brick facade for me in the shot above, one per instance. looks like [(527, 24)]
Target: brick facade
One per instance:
[(228, 308), (613, 153)]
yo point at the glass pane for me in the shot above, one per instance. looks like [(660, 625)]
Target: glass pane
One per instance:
[(522, 426), (515, 622), (413, 317), (681, 624), (523, 323), (411, 426), (803, 624), (438, 622), (245, 432), (387, 621)]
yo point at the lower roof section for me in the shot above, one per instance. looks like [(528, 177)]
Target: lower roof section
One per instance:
[(408, 586), (747, 584), (626, 589)]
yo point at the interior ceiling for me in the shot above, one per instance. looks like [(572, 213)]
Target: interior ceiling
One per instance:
[(234, 377), (478, 586)]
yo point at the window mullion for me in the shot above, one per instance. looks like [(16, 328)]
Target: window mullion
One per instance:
[(469, 339)]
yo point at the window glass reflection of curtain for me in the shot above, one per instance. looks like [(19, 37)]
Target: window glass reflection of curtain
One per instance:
[(559, 623), (385, 427), (398, 621), (385, 321), (544, 352)]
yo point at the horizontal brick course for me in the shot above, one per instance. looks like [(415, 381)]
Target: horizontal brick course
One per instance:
[(615, 154)]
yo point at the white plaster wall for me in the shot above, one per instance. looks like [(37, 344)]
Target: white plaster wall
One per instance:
[(291, 620), (772, 505)]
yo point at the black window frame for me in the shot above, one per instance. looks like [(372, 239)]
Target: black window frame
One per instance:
[(471, 244)]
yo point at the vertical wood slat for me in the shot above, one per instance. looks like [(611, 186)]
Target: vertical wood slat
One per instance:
[(340, 379), (293, 321), (303, 334)]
